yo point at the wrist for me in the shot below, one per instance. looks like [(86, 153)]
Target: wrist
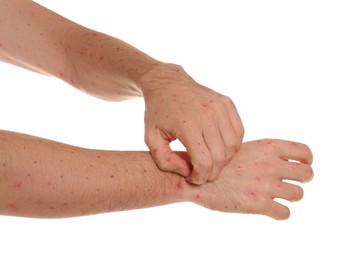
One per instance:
[(159, 75)]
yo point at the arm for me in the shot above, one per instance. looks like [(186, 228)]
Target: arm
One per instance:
[(177, 107), (42, 178), (36, 38)]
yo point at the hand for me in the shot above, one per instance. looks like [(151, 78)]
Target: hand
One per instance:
[(206, 123), (255, 177)]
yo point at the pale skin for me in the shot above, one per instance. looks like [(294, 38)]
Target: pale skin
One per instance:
[(38, 39), (47, 179), (55, 180)]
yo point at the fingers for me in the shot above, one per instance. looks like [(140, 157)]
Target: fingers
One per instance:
[(235, 120), (165, 158), (224, 138), (288, 191), (201, 158), (297, 171), (218, 151), (277, 211), (296, 151)]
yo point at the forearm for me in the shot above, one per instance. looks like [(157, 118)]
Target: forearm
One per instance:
[(42, 178), (36, 38)]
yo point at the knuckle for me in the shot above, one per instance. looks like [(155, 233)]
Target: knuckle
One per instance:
[(233, 144), (241, 132), (269, 145), (267, 168), (162, 164), (203, 168), (221, 160)]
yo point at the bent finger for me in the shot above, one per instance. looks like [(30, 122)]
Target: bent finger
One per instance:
[(164, 157), (200, 158)]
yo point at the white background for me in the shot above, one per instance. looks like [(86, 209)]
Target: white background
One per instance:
[(281, 63)]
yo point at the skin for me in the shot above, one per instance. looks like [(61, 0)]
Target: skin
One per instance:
[(38, 39), (55, 180)]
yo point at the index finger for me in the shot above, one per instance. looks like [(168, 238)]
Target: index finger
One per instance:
[(200, 157)]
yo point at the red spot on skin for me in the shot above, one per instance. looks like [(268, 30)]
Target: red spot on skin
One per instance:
[(18, 185), (4, 164), (12, 206), (98, 156), (112, 176), (29, 175), (61, 20), (41, 34), (61, 176), (168, 159), (198, 196), (72, 81), (28, 24), (51, 208), (155, 151), (0, 45), (61, 74), (239, 166), (204, 105), (65, 204), (35, 162), (184, 121), (179, 186), (257, 178), (101, 58)]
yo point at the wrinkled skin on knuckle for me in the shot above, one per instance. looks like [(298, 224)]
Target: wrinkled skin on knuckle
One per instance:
[(201, 172), (220, 160), (234, 144)]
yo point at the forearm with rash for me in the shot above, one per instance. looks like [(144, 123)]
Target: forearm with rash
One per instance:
[(42, 178)]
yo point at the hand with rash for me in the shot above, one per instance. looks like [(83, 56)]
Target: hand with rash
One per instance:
[(256, 176), (204, 121)]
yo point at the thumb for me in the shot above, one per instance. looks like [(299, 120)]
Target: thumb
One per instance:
[(164, 157)]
